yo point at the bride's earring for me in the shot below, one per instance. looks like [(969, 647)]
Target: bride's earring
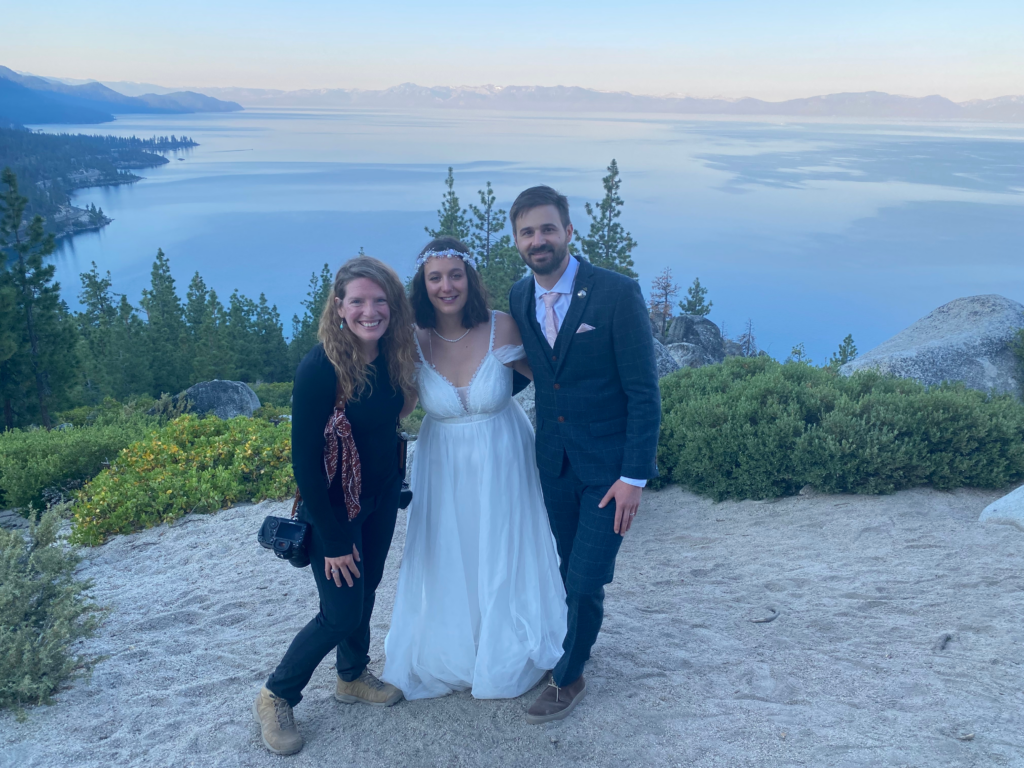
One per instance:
[(342, 325)]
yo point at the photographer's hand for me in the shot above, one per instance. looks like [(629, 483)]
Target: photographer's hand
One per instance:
[(338, 567)]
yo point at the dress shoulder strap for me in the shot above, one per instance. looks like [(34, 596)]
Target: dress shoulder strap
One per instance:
[(490, 344), (419, 349)]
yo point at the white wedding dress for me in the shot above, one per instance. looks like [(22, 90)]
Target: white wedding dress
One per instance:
[(480, 604)]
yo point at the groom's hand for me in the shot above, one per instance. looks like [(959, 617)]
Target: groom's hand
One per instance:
[(627, 501)]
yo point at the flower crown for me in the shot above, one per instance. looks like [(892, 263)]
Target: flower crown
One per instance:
[(447, 253)]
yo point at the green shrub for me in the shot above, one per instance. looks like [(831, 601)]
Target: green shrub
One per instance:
[(169, 407), (278, 394), (948, 436), (110, 411), (272, 413), (43, 611), (755, 428), (190, 465), (60, 460), (1017, 345), (414, 420)]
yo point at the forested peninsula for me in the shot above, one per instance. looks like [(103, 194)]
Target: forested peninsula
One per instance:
[(52, 166)]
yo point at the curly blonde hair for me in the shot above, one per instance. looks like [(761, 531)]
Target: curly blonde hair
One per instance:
[(397, 343)]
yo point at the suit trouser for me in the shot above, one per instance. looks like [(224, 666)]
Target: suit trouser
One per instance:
[(587, 546), (344, 617)]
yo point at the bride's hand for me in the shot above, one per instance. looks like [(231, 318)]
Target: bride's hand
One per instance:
[(337, 568)]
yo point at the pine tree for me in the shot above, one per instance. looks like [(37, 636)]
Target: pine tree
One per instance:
[(242, 338), (60, 355), (207, 348), (273, 351), (130, 372), (695, 300), (847, 351), (747, 342), (44, 323), (13, 373), (451, 219), (487, 222), (96, 323), (799, 355), (95, 214), (304, 329), (212, 358), (500, 263), (165, 329), (608, 244), (112, 342), (663, 290), (10, 339), (195, 309), (501, 274)]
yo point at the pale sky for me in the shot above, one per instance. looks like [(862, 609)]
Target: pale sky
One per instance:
[(770, 50)]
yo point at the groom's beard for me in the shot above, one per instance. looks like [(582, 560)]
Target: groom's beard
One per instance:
[(548, 265)]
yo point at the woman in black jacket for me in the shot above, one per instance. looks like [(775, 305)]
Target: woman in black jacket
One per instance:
[(348, 395)]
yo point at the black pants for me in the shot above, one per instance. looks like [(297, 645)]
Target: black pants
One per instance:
[(587, 545), (344, 618)]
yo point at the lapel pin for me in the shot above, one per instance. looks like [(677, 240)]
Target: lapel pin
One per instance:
[(582, 293)]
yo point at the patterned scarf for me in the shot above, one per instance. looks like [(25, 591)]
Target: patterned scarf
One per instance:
[(339, 441)]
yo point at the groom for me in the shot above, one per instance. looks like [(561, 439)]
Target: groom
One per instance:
[(588, 339)]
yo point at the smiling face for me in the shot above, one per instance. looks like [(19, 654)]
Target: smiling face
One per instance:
[(447, 285), (365, 311), (541, 239)]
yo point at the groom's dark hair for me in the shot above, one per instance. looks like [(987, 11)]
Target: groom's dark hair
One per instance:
[(535, 197)]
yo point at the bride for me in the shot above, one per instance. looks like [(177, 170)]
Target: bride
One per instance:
[(480, 604)]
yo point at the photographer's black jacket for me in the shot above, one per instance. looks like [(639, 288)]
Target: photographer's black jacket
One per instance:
[(373, 417)]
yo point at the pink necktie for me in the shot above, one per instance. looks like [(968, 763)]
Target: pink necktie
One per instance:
[(550, 319)]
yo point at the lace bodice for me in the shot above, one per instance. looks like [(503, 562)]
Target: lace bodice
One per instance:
[(488, 391)]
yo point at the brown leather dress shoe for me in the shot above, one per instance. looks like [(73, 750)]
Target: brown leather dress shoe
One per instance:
[(556, 703)]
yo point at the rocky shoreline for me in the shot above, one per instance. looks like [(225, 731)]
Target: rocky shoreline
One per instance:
[(71, 223)]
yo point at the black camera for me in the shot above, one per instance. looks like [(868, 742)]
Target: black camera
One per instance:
[(286, 538)]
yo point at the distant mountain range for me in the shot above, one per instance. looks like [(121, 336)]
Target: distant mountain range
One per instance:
[(872, 104), (564, 99), (26, 99)]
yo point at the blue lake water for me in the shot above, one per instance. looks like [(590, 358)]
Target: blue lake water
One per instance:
[(811, 230)]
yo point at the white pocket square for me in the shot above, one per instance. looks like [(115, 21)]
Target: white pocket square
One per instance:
[(584, 327)]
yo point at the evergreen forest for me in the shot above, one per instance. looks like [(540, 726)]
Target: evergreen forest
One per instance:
[(53, 359)]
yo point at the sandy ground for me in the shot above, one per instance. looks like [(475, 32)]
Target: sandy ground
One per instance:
[(898, 643)]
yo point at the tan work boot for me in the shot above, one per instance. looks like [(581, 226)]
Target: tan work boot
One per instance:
[(277, 724), (556, 703), (367, 689)]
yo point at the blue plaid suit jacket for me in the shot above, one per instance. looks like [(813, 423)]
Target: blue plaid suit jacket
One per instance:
[(598, 399)]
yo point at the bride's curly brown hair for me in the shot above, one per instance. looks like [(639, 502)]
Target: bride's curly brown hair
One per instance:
[(397, 343)]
